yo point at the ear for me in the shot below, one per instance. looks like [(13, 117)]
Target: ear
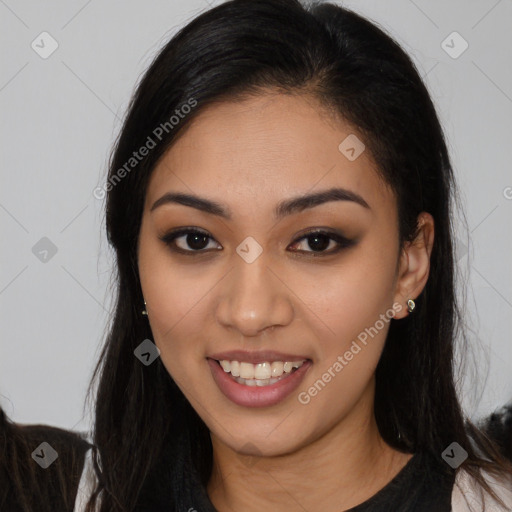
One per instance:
[(414, 265)]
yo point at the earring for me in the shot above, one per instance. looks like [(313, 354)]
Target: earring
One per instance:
[(145, 311), (410, 305)]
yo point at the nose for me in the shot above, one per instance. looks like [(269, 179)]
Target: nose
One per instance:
[(254, 298)]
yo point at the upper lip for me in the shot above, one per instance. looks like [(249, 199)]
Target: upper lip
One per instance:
[(255, 357)]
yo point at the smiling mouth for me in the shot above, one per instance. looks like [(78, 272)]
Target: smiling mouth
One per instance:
[(260, 374)]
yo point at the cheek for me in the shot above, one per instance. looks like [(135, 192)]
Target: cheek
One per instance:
[(357, 309), (355, 302), (350, 297), (177, 314), (173, 294)]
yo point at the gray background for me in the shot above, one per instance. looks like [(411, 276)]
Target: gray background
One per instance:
[(60, 116)]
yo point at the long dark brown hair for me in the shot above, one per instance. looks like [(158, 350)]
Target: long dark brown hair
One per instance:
[(145, 429)]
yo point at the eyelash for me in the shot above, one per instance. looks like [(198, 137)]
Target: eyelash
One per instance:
[(343, 243)]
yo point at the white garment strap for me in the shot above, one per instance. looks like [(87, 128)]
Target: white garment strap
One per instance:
[(469, 496), (87, 483)]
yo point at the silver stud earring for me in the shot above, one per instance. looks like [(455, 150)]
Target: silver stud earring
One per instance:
[(145, 311), (410, 305)]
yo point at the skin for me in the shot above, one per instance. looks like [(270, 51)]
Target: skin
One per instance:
[(249, 155)]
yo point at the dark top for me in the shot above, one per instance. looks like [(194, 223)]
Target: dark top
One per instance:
[(424, 484)]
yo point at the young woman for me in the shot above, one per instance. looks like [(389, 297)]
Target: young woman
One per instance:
[(280, 201), (40, 467)]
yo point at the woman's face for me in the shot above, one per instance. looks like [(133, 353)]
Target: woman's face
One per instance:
[(257, 285)]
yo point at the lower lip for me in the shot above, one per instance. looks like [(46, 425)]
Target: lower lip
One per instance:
[(256, 396)]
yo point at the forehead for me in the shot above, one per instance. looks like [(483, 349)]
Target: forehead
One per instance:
[(258, 150)]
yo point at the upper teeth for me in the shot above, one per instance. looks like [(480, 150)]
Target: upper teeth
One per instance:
[(261, 370)]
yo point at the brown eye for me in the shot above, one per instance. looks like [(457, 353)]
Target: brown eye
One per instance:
[(319, 241), (193, 240)]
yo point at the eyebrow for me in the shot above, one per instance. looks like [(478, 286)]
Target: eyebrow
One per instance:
[(283, 209)]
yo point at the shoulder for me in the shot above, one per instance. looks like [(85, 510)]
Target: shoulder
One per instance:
[(469, 496), (67, 440), (39, 464), (69, 447)]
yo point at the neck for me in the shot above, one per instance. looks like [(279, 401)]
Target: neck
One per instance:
[(342, 468)]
